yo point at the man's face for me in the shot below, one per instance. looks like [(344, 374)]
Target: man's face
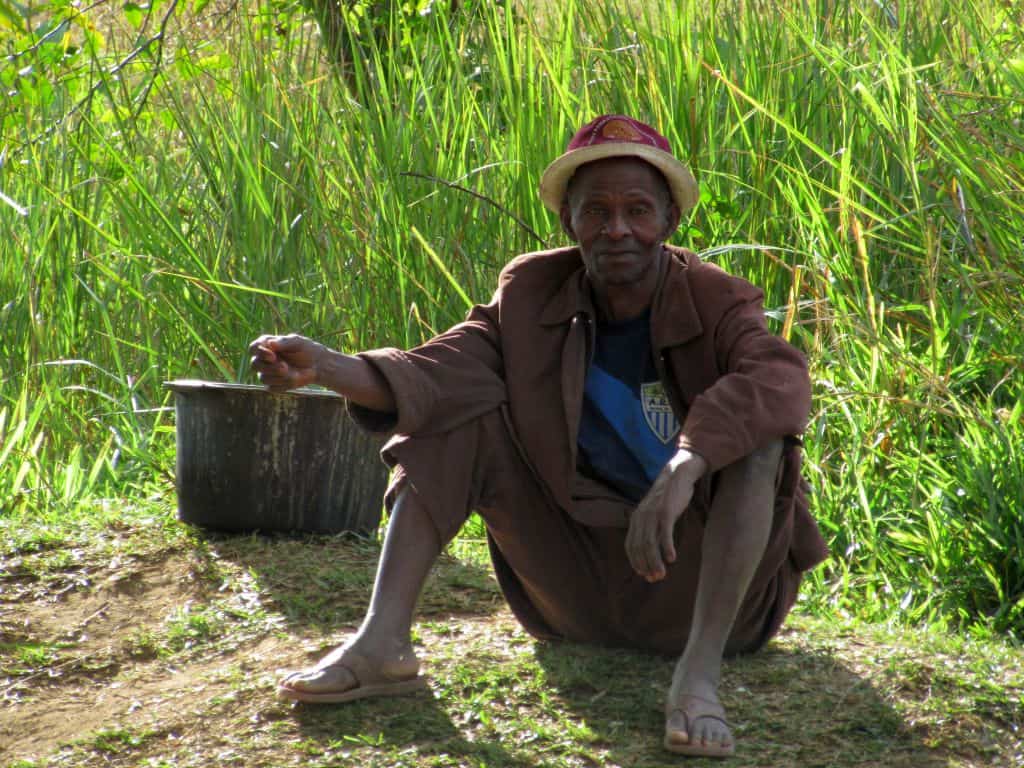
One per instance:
[(620, 212)]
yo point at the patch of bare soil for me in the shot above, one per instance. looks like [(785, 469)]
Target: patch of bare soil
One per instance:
[(87, 630), (100, 654)]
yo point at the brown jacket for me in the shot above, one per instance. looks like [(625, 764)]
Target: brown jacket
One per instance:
[(733, 384)]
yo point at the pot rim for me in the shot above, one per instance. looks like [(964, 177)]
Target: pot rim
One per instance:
[(185, 386)]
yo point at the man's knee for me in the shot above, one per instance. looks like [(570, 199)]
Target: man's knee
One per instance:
[(748, 486), (474, 466), (404, 499), (759, 466), (768, 454), (409, 507)]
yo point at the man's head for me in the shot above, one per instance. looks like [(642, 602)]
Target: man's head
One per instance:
[(620, 196)]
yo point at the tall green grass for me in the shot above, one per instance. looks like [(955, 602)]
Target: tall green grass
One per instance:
[(863, 162)]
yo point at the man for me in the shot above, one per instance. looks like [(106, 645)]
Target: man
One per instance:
[(624, 423)]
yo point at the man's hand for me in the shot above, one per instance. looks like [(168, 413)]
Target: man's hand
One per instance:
[(649, 543), (286, 362)]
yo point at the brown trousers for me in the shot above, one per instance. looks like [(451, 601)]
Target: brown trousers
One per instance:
[(567, 580)]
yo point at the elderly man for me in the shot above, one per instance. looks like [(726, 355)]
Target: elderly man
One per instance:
[(624, 423)]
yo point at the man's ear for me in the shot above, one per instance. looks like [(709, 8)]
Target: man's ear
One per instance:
[(566, 218), (672, 218)]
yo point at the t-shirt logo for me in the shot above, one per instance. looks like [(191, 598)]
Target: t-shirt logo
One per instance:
[(658, 411)]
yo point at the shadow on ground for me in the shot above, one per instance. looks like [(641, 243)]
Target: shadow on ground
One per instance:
[(418, 726), (787, 706), (790, 708), (500, 699), (323, 583)]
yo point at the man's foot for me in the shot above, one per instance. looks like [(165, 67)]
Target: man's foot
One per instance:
[(347, 674), (695, 721), (697, 726)]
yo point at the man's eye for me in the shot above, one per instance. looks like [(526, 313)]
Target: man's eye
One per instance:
[(639, 210)]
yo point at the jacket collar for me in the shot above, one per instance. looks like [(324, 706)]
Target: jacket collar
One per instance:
[(674, 319), (570, 299)]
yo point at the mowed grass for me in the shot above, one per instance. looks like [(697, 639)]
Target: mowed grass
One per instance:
[(120, 688)]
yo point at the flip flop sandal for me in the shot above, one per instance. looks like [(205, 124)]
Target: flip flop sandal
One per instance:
[(693, 708), (371, 682)]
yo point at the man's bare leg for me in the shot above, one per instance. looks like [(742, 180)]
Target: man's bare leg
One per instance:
[(411, 546), (735, 538)]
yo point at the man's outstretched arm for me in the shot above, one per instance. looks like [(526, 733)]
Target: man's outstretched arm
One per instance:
[(292, 361)]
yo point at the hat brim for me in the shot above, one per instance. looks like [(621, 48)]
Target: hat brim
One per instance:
[(555, 179)]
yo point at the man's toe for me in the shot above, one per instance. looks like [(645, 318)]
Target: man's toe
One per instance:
[(677, 727), (710, 731), (334, 679)]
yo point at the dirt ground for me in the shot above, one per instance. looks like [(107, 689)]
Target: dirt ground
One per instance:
[(137, 648), (128, 640), (102, 673)]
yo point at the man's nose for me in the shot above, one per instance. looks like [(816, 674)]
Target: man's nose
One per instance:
[(616, 226)]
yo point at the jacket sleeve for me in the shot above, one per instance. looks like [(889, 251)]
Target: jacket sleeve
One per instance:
[(763, 393), (451, 379)]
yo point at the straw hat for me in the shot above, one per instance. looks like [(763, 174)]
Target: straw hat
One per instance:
[(617, 136)]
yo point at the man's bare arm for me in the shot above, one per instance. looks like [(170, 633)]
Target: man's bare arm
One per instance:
[(289, 362)]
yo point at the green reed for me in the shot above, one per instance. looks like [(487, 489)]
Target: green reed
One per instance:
[(863, 163)]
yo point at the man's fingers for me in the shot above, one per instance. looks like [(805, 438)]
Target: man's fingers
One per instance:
[(273, 372), (266, 363), (278, 345), (293, 342), (678, 500), (667, 542), (655, 565), (631, 539), (264, 343), (264, 360), (670, 513), (634, 541), (642, 546), (262, 356), (272, 368), (283, 363), (654, 568)]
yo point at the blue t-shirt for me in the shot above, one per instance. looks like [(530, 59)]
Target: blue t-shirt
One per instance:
[(627, 428)]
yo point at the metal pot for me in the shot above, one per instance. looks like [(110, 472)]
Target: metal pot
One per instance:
[(249, 459)]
